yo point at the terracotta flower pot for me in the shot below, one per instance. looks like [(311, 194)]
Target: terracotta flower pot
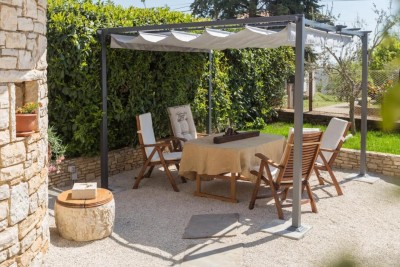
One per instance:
[(26, 122)]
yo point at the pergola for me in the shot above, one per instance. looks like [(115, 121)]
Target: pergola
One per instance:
[(174, 37)]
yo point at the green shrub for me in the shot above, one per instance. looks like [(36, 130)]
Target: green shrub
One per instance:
[(137, 81), (247, 83)]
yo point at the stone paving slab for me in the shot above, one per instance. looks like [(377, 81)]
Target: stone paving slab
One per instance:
[(211, 225)]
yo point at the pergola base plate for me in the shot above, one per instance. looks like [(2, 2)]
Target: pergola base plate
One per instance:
[(363, 178), (284, 228)]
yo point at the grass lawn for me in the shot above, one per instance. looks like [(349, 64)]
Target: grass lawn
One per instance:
[(321, 100), (376, 141)]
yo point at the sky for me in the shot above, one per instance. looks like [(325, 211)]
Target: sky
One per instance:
[(349, 10)]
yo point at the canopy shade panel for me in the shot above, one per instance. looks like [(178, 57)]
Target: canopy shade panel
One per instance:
[(212, 39)]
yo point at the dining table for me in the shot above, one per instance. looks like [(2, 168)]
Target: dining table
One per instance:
[(202, 159)]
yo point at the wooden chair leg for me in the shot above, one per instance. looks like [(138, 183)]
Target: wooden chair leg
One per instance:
[(255, 192), (321, 181), (148, 173), (167, 172), (140, 176), (145, 165), (177, 166), (303, 186), (278, 203), (311, 197), (334, 180), (171, 179), (285, 193)]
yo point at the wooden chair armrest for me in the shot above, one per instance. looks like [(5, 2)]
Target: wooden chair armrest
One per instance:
[(172, 138), (179, 138), (175, 144), (269, 161), (157, 144)]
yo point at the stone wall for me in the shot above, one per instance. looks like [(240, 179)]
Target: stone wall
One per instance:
[(88, 168), (24, 230), (375, 112), (387, 164), (125, 159)]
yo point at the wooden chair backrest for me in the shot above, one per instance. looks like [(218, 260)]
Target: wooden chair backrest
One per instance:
[(311, 144)]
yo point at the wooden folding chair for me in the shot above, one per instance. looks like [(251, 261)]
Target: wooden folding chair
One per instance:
[(331, 144), (153, 152), (279, 176)]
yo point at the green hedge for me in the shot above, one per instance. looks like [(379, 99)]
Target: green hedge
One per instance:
[(247, 83)]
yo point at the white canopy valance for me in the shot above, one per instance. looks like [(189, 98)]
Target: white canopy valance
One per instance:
[(212, 39)]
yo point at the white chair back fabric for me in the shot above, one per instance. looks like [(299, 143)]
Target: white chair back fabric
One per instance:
[(146, 125), (332, 136), (182, 122)]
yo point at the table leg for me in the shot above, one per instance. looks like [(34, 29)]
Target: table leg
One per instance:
[(233, 187), (231, 198), (198, 184)]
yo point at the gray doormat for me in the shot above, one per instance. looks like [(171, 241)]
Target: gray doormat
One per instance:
[(211, 255), (212, 225)]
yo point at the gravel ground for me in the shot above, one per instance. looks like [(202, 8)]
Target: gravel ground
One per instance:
[(363, 225)]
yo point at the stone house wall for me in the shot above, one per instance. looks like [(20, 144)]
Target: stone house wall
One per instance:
[(24, 230)]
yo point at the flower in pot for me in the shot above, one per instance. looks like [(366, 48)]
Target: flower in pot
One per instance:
[(26, 117)]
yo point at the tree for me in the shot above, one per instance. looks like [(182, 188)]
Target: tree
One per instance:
[(385, 22), (345, 72), (385, 52), (285, 7), (391, 100), (224, 9), (346, 66)]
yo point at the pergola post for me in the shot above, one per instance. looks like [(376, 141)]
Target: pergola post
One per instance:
[(363, 176), (104, 129), (364, 104), (298, 122), (210, 90), (294, 229)]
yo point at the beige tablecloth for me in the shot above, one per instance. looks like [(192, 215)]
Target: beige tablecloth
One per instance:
[(202, 156)]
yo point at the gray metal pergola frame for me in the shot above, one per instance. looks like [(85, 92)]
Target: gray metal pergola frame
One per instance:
[(298, 94)]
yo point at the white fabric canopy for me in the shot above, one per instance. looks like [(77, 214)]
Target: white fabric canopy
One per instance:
[(212, 39)]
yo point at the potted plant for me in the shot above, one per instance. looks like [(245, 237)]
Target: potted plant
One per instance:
[(26, 118)]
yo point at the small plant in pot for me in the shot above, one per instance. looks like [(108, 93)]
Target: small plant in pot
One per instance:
[(26, 118)]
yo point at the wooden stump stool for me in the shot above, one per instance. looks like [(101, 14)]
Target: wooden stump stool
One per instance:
[(85, 220)]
